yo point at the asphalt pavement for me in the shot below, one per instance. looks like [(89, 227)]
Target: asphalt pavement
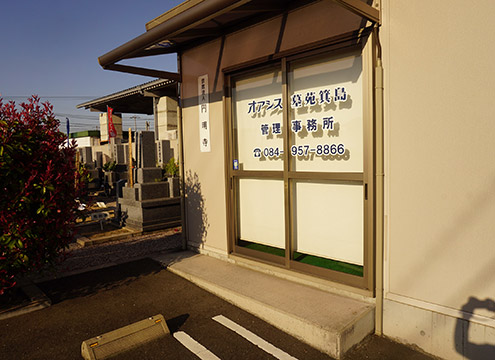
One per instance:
[(96, 302), (92, 303)]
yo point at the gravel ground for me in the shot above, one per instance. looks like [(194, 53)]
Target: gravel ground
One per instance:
[(80, 259)]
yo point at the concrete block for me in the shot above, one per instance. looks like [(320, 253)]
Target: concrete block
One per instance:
[(167, 134), (357, 331), (166, 104), (118, 341), (408, 324), (479, 341), (443, 337), (129, 193)]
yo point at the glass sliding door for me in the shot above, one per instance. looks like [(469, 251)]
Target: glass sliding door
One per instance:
[(257, 163), (261, 215), (327, 162), (328, 225), (301, 164), (258, 125), (326, 114)]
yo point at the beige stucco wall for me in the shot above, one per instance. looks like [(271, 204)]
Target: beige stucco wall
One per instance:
[(204, 172), (205, 182), (440, 171)]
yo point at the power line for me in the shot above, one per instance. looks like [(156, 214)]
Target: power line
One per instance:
[(61, 97), (73, 116), (96, 117), (83, 124)]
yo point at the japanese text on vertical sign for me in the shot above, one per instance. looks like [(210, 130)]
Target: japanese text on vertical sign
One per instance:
[(204, 114)]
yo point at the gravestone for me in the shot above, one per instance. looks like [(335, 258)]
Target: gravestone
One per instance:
[(86, 155), (86, 159), (148, 205), (119, 154), (146, 158), (99, 159), (164, 151)]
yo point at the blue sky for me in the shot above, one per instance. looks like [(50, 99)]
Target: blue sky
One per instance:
[(51, 48)]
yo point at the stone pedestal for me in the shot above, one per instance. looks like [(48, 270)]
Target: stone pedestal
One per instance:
[(148, 207), (149, 215), (147, 175), (94, 182), (111, 177), (174, 186)]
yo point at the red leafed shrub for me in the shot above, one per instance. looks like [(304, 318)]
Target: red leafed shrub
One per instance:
[(38, 188)]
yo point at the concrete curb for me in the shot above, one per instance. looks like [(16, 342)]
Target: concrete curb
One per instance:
[(104, 266), (297, 327), (38, 301), (84, 241), (324, 330)]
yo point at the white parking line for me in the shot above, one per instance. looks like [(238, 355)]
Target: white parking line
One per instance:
[(253, 338), (195, 347)]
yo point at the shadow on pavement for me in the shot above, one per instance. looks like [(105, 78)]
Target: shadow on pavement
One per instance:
[(176, 323), (380, 348), (82, 285)]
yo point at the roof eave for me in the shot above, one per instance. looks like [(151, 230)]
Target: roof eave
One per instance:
[(187, 19)]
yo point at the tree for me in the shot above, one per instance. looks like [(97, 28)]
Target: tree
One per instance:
[(38, 188), (172, 167)]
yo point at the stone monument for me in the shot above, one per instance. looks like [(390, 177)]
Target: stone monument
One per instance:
[(147, 205), (86, 158)]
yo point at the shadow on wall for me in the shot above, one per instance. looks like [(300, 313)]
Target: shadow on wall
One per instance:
[(196, 210), (463, 344)]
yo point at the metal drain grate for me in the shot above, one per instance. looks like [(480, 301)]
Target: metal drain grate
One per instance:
[(125, 338)]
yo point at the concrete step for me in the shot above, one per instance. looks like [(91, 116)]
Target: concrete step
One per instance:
[(329, 322)]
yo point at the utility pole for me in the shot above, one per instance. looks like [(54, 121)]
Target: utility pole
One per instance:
[(129, 167), (134, 117)]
